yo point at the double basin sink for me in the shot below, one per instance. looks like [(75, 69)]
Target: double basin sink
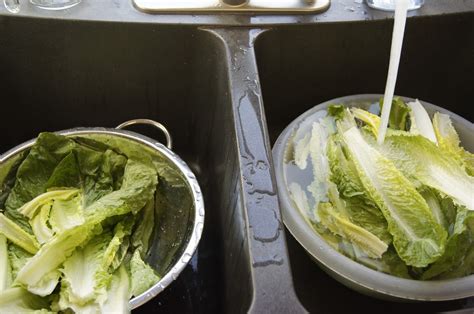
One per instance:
[(225, 92)]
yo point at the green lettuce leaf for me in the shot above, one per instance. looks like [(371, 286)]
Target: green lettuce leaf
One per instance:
[(390, 263), (336, 111), (449, 142), (144, 229), (435, 205), (34, 172), (46, 285), (17, 235), (18, 258), (457, 248), (5, 268), (371, 120), (418, 239), (420, 122), (86, 273), (420, 159), (302, 151), (139, 184), (66, 214), (361, 210), (118, 294), (142, 275), (464, 268), (18, 300), (317, 150), (338, 224), (399, 114), (30, 209), (8, 171), (39, 224)]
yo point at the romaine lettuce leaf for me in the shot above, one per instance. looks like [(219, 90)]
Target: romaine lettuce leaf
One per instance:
[(18, 258), (122, 231), (52, 254), (144, 228), (8, 172), (30, 209), (5, 268), (449, 142), (464, 268), (118, 294), (338, 224), (336, 111), (420, 159), (46, 285), (420, 122), (302, 151), (361, 210), (371, 120), (399, 114), (417, 237), (457, 248), (34, 172), (86, 272), (142, 275), (17, 235), (39, 224), (390, 263), (434, 203), (301, 201), (66, 214), (139, 184), (18, 300), (317, 150)]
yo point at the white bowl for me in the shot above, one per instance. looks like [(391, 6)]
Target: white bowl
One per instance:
[(350, 273)]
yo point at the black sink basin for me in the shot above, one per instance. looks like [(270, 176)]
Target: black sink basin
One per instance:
[(303, 66)]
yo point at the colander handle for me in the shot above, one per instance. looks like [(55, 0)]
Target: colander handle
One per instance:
[(169, 140)]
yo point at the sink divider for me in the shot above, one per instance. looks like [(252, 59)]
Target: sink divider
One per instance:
[(256, 207)]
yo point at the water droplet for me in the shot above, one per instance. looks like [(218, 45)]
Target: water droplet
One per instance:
[(262, 165)]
